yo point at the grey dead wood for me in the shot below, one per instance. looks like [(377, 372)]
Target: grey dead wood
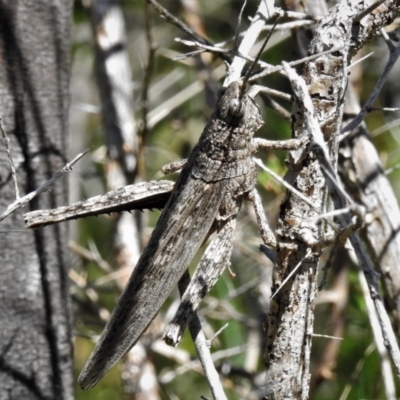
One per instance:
[(290, 323), (302, 39), (339, 200), (35, 315), (365, 181)]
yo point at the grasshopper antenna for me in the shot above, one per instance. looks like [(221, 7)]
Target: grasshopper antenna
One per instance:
[(235, 43), (251, 69)]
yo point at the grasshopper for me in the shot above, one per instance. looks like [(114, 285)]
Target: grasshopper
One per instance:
[(218, 175)]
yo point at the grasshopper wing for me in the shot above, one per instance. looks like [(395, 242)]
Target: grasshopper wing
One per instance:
[(181, 229)]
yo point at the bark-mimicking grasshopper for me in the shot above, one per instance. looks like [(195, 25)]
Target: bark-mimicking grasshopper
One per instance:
[(217, 177)]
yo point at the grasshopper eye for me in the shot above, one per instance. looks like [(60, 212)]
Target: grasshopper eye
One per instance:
[(236, 108)]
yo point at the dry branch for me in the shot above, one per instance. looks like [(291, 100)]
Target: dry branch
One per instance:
[(291, 315)]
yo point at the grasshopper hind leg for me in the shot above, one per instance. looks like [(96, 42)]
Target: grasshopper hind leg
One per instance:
[(211, 266)]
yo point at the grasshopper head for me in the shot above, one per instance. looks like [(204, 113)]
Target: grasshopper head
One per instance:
[(231, 103)]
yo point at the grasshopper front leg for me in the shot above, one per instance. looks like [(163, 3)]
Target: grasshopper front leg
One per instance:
[(211, 266)]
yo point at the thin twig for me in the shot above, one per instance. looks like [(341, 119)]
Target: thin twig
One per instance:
[(297, 15), (239, 23), (265, 11), (280, 68), (19, 231), (359, 369), (387, 39), (386, 127), (178, 23), (258, 56), (268, 68), (333, 213), (218, 50), (202, 347), (359, 60), (387, 332), (164, 109), (385, 109), (256, 89), (306, 200), (275, 106), (386, 370), (216, 334), (289, 25), (327, 336), (22, 201), (292, 273), (328, 264), (367, 11), (10, 159), (394, 55), (392, 169), (90, 255), (207, 47), (218, 355), (144, 127), (181, 25)]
